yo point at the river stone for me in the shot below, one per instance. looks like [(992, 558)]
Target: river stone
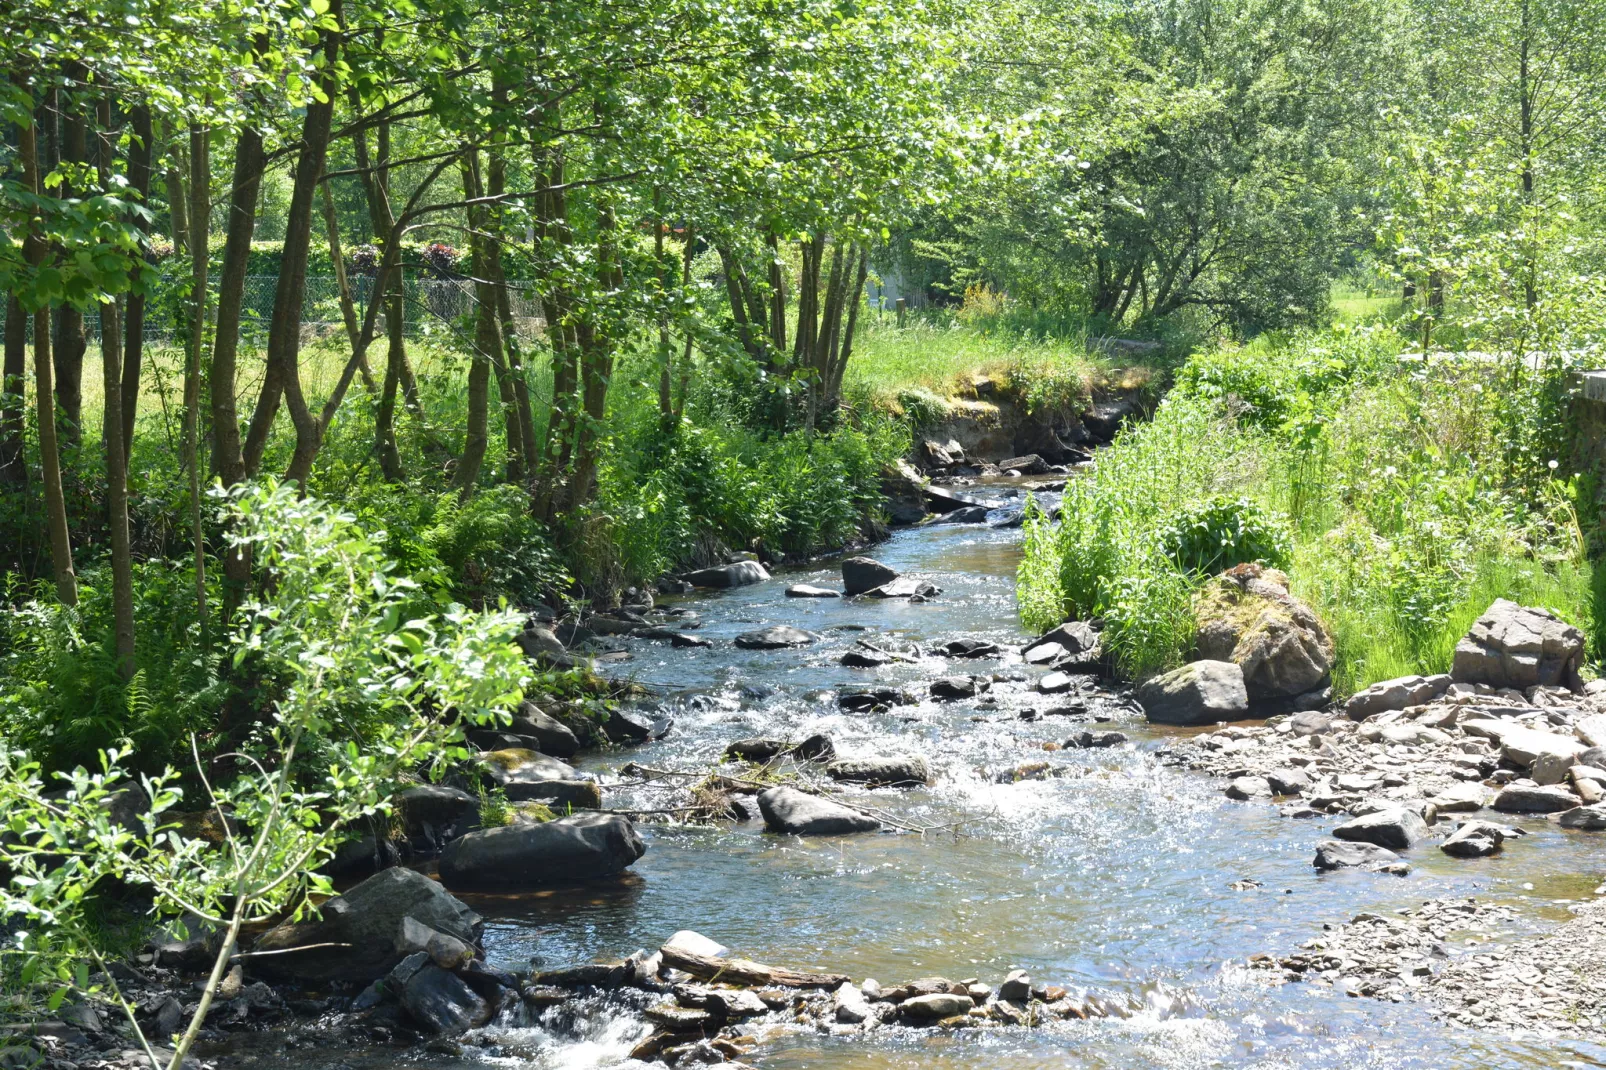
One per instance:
[(1017, 987), (936, 1005), (778, 637), (755, 750), (1526, 746), (1519, 647), (849, 1005), (1336, 854), (1473, 839), (447, 952), (1198, 694), (368, 917), (881, 772), (1591, 729), (1029, 465), (1395, 694), (1288, 781), (957, 687), (517, 765), (427, 810), (1534, 799), (870, 699), (1247, 616), (936, 455), (861, 574), (1463, 797), (865, 659), (816, 748), (691, 942), (1245, 788), (969, 648), (904, 491), (537, 640), (1311, 723), (569, 849), (808, 590), (738, 574), (1396, 828), (735, 1003), (632, 726), (905, 587), (968, 514), (1587, 818), (1055, 683), (441, 1003), (788, 810), (555, 737)]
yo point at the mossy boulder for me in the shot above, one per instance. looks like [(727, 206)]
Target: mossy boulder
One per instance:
[(1247, 616)]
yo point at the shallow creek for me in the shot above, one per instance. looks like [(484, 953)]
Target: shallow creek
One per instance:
[(1115, 877)]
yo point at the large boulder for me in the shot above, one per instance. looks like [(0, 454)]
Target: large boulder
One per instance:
[(434, 813), (1247, 616), (568, 850), (1519, 647), (861, 574), (905, 491), (1201, 693), (1074, 646), (525, 775), (789, 810), (738, 574), (1337, 854), (366, 925)]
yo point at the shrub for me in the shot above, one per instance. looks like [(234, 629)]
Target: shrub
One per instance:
[(1214, 535)]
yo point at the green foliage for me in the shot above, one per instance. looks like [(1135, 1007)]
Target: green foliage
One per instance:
[(1211, 536), (495, 810), (1413, 499)]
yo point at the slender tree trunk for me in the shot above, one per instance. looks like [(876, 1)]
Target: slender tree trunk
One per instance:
[(596, 356), (112, 439), (200, 216), (72, 338), (13, 390), (487, 342), (685, 355), (36, 252), (1525, 137), (666, 409), (777, 295), (139, 179), (283, 376), (833, 393), (348, 306), (178, 199)]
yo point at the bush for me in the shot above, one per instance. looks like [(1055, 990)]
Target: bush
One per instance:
[(1213, 536)]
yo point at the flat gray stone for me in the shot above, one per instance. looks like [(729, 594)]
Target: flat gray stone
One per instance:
[(1200, 693), (739, 574), (1397, 829), (788, 810), (779, 637)]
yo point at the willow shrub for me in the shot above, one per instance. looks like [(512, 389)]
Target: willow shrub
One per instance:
[(1406, 513)]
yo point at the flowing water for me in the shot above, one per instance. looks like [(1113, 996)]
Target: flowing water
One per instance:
[(1115, 877)]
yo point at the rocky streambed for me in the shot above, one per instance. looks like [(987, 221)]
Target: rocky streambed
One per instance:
[(1053, 880)]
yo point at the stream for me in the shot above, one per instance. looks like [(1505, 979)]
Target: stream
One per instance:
[(1116, 876)]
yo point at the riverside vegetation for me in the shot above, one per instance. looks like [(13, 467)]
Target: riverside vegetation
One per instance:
[(369, 367)]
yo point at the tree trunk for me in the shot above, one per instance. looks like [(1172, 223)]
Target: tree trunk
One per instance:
[(839, 367), (666, 409), (685, 355), (200, 217), (487, 342), (13, 391), (282, 379), (348, 306), (72, 338), (178, 202), (777, 295), (139, 180), (596, 356), (249, 162), (111, 352), (36, 252)]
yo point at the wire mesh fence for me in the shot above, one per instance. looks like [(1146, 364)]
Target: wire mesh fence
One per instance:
[(430, 306)]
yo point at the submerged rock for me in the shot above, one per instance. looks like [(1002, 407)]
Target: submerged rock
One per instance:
[(874, 698), (881, 772), (569, 849), (1336, 854), (788, 810), (905, 587), (778, 637), (1203, 692), (958, 687), (808, 590), (1534, 799)]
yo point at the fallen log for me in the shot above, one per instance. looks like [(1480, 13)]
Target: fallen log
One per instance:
[(746, 972)]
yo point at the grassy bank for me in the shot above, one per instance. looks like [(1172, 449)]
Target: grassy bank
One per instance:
[(1402, 500)]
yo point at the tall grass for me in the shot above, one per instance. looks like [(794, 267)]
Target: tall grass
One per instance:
[(1398, 486)]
